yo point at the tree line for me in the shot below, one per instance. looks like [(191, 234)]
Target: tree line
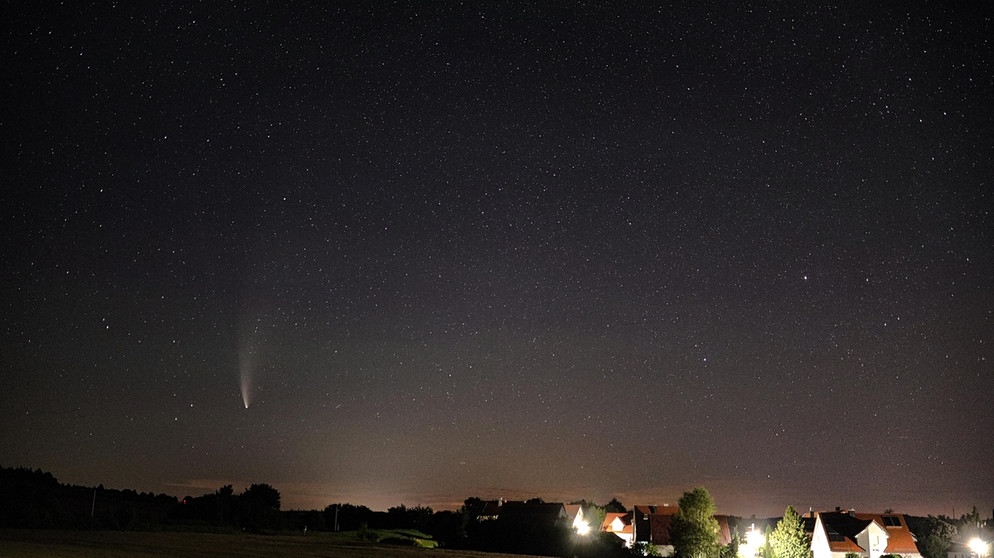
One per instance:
[(35, 499)]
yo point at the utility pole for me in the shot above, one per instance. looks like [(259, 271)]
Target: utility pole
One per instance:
[(93, 506)]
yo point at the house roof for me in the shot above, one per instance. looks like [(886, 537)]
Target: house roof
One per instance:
[(900, 540), (573, 510), (659, 528), (724, 532), (665, 509), (842, 528), (624, 518), (487, 508)]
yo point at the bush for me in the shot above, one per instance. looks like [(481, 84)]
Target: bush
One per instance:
[(366, 534)]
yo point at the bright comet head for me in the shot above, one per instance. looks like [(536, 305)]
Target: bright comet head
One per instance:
[(245, 385)]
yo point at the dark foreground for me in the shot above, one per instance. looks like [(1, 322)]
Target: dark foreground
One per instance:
[(33, 543)]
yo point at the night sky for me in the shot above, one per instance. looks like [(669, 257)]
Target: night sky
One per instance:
[(388, 253)]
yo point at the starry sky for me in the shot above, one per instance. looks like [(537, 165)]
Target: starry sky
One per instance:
[(387, 253)]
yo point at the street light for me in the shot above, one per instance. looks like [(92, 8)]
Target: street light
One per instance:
[(753, 544), (979, 546), (755, 538), (583, 528)]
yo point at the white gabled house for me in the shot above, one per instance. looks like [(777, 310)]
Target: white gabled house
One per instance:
[(622, 525), (574, 515), (839, 533)]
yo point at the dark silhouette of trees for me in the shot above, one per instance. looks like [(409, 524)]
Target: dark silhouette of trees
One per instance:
[(347, 517), (935, 535), (449, 528), (402, 517), (258, 508), (262, 495), (36, 499), (472, 504), (614, 506), (29, 499)]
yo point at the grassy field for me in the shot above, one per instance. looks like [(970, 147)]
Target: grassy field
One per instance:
[(18, 543)]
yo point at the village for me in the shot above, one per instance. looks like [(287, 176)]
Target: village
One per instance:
[(839, 533)]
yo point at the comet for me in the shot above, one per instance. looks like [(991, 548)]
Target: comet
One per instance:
[(247, 363), (245, 389)]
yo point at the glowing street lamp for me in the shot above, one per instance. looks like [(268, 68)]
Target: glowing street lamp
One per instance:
[(583, 528), (755, 538), (753, 544), (979, 546)]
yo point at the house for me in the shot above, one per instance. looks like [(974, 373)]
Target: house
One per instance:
[(651, 524), (574, 516), (644, 516), (871, 535), (659, 533), (622, 525), (487, 510)]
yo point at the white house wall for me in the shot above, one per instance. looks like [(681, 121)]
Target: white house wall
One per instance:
[(873, 539)]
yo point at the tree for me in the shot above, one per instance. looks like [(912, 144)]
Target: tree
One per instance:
[(594, 516), (472, 505), (223, 501), (262, 495), (694, 530), (789, 540), (766, 551), (971, 520), (614, 506), (347, 517), (936, 536), (403, 517), (259, 507)]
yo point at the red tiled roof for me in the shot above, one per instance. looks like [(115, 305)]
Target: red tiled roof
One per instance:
[(842, 529), (626, 520), (899, 537), (724, 532), (572, 510)]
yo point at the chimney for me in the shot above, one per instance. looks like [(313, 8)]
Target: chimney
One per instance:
[(852, 512), (838, 509)]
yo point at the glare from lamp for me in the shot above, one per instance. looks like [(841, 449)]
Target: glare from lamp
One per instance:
[(583, 528), (979, 546), (755, 539)]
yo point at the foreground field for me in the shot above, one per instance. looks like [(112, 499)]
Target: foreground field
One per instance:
[(17, 543)]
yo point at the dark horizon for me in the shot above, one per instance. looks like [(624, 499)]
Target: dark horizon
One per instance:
[(288, 499), (417, 253)]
